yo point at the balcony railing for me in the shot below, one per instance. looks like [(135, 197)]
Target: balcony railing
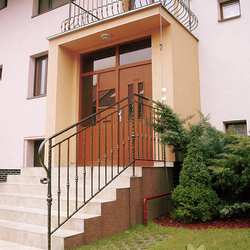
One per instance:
[(83, 12)]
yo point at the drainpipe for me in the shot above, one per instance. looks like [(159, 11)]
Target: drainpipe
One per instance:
[(144, 212)]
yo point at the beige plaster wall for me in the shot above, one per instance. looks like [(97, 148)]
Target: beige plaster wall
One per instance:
[(174, 64)]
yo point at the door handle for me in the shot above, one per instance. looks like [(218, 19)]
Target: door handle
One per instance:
[(120, 116)]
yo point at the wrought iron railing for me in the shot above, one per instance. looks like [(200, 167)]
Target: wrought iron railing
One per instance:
[(97, 149), (83, 12)]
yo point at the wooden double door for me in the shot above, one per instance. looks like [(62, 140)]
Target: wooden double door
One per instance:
[(109, 141)]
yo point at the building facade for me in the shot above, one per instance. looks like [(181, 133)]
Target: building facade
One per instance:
[(42, 50)]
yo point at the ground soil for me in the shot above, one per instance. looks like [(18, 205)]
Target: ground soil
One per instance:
[(240, 222)]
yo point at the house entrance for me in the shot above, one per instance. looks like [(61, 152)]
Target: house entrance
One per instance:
[(107, 77)]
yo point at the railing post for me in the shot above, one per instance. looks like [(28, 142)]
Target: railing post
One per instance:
[(49, 195), (133, 134)]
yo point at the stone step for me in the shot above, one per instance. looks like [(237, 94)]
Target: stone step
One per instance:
[(39, 202), (39, 189), (38, 171), (39, 217), (33, 235), (5, 245), (31, 179)]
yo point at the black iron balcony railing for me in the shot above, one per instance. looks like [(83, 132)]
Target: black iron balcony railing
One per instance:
[(96, 151), (83, 12)]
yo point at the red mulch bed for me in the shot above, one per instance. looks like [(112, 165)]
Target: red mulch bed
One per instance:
[(167, 221)]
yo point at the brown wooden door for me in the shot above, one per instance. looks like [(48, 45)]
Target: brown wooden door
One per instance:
[(97, 92), (109, 142), (136, 80)]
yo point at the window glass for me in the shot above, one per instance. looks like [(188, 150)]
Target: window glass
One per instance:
[(106, 97), (88, 97), (140, 101), (135, 52), (57, 3), (239, 127), (130, 107), (45, 5), (40, 83), (98, 60), (3, 4), (1, 72), (230, 9)]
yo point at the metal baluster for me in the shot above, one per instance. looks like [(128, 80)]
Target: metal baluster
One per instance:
[(99, 154), (106, 151), (154, 137), (112, 151), (151, 156), (128, 136), (92, 166), (118, 149), (49, 195), (59, 183), (146, 108), (84, 167), (133, 135), (123, 138), (68, 182), (142, 149), (76, 178), (138, 136)]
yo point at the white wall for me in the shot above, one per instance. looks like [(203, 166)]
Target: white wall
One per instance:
[(224, 57), (21, 37)]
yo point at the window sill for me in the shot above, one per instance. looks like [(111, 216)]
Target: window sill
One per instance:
[(35, 97), (230, 18)]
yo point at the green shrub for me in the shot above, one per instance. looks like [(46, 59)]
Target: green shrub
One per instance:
[(227, 211), (231, 169), (194, 198)]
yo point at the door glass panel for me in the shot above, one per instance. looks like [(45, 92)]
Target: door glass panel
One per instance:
[(106, 97), (130, 92), (98, 60), (140, 101), (135, 52), (88, 98)]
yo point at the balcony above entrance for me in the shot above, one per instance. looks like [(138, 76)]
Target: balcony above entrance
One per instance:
[(85, 12)]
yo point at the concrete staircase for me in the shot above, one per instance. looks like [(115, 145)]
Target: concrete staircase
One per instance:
[(23, 211)]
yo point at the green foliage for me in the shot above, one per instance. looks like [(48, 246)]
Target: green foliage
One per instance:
[(238, 208), (194, 198), (212, 160), (231, 169), (171, 129)]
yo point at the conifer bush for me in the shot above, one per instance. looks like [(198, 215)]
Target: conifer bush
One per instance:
[(194, 198)]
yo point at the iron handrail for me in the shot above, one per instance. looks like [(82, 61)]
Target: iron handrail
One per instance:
[(83, 12), (139, 135)]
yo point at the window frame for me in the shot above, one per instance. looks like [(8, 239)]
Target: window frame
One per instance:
[(228, 3), (50, 6), (37, 93), (228, 124), (5, 4)]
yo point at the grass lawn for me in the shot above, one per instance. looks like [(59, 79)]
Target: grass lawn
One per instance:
[(158, 237)]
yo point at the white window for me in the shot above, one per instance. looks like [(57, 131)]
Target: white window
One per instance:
[(229, 9)]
